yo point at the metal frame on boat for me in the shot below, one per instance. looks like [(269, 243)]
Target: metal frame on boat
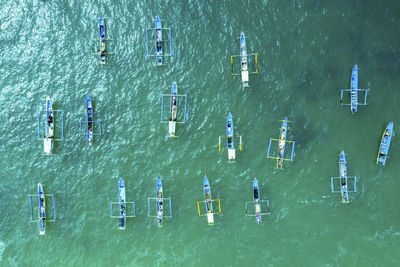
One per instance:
[(385, 144), (103, 43), (89, 122), (343, 180), (257, 201), (41, 207), (230, 140), (244, 66), (122, 205), (280, 157), (208, 203), (159, 47), (49, 136), (159, 199), (173, 110), (354, 92)]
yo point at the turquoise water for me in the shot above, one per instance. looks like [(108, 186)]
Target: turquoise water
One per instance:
[(306, 52)]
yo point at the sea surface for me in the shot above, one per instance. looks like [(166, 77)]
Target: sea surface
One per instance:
[(306, 51)]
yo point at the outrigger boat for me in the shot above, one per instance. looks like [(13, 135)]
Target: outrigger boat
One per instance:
[(173, 110), (42, 219), (244, 71), (257, 203), (102, 52), (159, 204), (343, 180), (160, 48), (281, 145), (90, 122), (49, 138), (385, 143), (208, 203), (354, 92), (122, 203), (230, 140)]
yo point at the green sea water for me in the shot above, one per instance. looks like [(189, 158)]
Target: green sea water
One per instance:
[(306, 50)]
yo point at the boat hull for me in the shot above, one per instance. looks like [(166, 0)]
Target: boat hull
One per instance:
[(102, 33), (159, 197), (354, 88), (257, 202), (159, 42), (208, 201), (384, 146), (243, 59), (282, 143), (49, 135), (89, 120), (42, 210), (122, 203)]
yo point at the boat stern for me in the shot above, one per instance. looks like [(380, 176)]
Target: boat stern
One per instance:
[(48, 145), (245, 76), (171, 128), (231, 154), (210, 218)]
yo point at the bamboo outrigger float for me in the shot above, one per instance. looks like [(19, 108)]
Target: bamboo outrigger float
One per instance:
[(257, 204), (244, 64), (208, 201), (49, 136), (354, 92), (343, 180), (160, 203), (281, 146), (160, 48), (90, 123), (122, 206), (230, 140), (173, 110), (385, 143), (41, 207), (103, 43)]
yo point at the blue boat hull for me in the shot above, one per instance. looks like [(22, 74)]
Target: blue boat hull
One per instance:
[(159, 197), (257, 202), (354, 88), (122, 203), (207, 195), (229, 132), (42, 210), (343, 176), (89, 120), (282, 143), (159, 42), (385, 143)]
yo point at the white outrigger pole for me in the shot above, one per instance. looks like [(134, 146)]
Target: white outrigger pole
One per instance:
[(244, 66), (173, 110), (49, 137), (354, 92)]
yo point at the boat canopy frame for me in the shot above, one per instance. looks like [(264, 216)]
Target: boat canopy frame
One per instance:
[(107, 41), (212, 200), (119, 216), (149, 213), (271, 140), (82, 131), (164, 54), (31, 206), (350, 103), (246, 213), (347, 191), (162, 108), (237, 73), (39, 113)]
